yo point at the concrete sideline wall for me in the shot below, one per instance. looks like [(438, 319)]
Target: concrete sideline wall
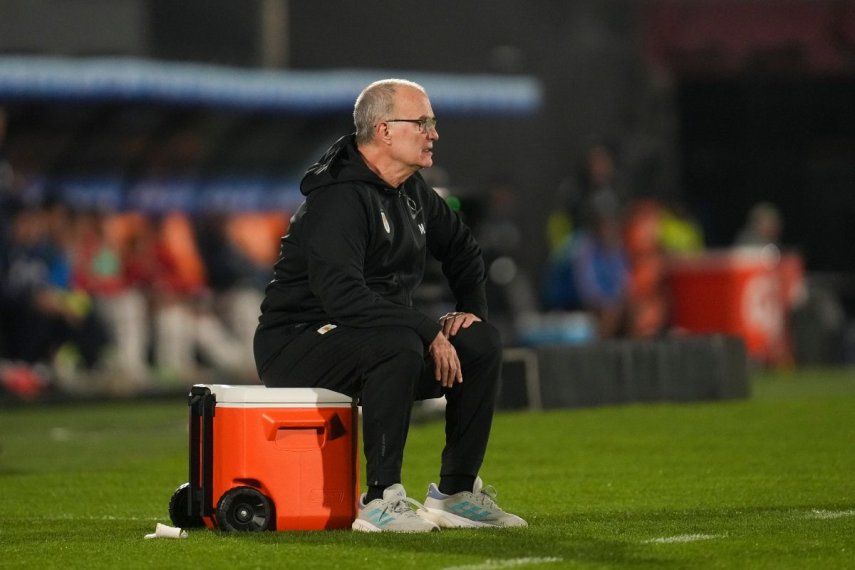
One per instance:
[(687, 369)]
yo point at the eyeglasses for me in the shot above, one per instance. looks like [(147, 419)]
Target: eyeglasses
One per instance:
[(425, 125)]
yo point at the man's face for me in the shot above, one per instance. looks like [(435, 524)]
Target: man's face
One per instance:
[(410, 146)]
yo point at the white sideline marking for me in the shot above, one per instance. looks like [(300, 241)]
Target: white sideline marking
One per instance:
[(508, 563), (681, 538), (820, 514)]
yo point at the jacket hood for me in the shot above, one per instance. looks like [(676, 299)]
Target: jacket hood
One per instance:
[(341, 163)]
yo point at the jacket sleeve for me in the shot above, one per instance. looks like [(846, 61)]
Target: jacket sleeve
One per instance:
[(337, 230), (452, 243)]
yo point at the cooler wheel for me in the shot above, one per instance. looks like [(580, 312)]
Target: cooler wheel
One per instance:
[(244, 509), (178, 511)]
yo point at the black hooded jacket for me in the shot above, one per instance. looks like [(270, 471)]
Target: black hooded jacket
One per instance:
[(356, 251)]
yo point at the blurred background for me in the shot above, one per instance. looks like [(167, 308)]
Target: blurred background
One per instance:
[(635, 172)]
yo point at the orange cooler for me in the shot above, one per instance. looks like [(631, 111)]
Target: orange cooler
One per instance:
[(735, 292), (270, 459)]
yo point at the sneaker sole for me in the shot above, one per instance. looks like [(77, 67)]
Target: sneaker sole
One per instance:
[(362, 525), (444, 519)]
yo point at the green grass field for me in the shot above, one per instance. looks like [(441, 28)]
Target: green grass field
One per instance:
[(763, 483)]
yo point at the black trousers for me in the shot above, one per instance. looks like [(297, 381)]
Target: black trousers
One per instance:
[(388, 369)]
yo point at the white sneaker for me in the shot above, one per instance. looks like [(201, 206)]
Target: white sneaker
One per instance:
[(468, 509), (395, 512)]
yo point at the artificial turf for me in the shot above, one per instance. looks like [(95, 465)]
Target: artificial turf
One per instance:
[(761, 483)]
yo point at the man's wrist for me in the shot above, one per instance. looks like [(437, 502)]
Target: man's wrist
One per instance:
[(428, 329)]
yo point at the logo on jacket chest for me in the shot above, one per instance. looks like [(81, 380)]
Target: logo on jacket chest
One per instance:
[(388, 227)]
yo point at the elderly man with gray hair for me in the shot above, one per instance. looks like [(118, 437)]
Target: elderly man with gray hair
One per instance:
[(339, 313)]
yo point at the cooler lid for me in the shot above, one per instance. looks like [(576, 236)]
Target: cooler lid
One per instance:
[(228, 394)]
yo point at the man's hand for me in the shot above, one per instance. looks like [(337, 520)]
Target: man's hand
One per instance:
[(452, 322), (446, 365)]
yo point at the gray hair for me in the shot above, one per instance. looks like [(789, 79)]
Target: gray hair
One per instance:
[(376, 103)]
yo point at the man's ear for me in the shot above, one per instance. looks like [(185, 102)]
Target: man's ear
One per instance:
[(382, 133)]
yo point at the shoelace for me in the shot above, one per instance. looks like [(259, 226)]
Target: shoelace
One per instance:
[(487, 496), (403, 505)]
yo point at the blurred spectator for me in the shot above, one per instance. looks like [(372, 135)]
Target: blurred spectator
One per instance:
[(588, 268), (43, 320), (5, 211), (814, 315), (8, 201), (762, 228), (644, 241), (97, 267), (602, 273), (236, 281), (590, 272), (99, 271), (579, 199), (679, 232), (184, 320)]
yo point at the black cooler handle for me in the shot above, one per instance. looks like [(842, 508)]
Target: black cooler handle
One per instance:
[(202, 405)]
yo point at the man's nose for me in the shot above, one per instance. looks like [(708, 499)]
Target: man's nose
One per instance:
[(433, 134)]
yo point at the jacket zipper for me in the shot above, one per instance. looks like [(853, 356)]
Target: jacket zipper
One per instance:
[(402, 206), (405, 208)]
